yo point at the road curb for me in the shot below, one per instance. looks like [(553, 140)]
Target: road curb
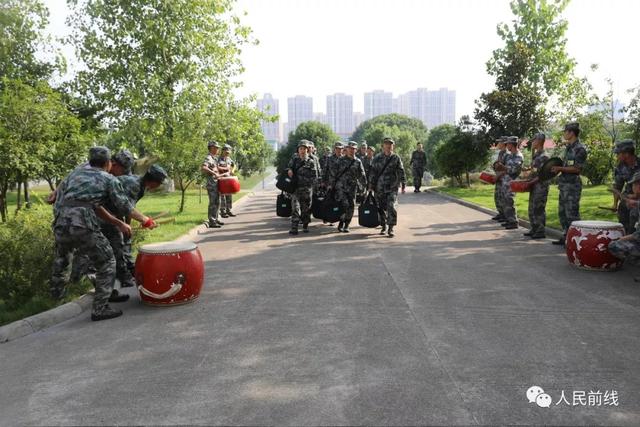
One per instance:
[(550, 232), (46, 319)]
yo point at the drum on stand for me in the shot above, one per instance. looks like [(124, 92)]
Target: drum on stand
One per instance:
[(228, 185), (487, 177), (169, 273), (587, 244)]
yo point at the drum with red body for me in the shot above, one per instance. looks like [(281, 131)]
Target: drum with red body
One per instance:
[(487, 177), (522, 186), (169, 273), (228, 185), (587, 244)]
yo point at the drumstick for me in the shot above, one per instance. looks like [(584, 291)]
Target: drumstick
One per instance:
[(607, 208)]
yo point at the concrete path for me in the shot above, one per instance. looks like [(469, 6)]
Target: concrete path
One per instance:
[(449, 323)]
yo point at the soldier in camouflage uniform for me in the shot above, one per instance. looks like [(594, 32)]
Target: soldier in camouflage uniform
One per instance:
[(366, 162), (418, 163), (76, 227), (628, 247), (362, 153), (347, 178), (387, 173), (210, 168), (539, 192), (304, 168), (226, 165), (510, 171), (497, 191), (330, 163), (628, 165), (569, 182)]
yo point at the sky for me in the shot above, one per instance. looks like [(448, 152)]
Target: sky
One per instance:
[(320, 47)]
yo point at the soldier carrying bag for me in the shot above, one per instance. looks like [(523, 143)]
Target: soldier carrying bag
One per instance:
[(368, 215), (286, 183), (332, 210), (283, 206)]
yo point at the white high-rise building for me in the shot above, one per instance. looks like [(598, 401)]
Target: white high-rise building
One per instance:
[(433, 108), (270, 107), (300, 110), (357, 119), (377, 103), (340, 114), (320, 117)]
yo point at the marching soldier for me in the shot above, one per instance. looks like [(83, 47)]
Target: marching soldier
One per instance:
[(418, 163), (539, 191), (362, 153), (210, 168), (346, 179), (510, 171), (332, 161), (314, 156), (226, 166), (387, 173), (366, 162), (497, 191), (569, 182), (76, 227), (628, 165), (304, 168)]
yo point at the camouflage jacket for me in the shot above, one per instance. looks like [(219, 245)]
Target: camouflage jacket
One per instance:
[(212, 163), (537, 160), (513, 163), (501, 155), (366, 164), (304, 170), (331, 163), (418, 159), (82, 191), (133, 189), (622, 174), (386, 181), (348, 176), (226, 162), (575, 155), (317, 162)]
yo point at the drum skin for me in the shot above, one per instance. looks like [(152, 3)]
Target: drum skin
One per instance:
[(228, 185), (521, 186), (488, 178), (587, 244), (169, 275)]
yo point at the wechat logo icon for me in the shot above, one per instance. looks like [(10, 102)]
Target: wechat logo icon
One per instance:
[(537, 395)]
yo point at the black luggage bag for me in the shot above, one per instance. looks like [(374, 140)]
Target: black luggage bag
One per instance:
[(283, 205), (368, 215)]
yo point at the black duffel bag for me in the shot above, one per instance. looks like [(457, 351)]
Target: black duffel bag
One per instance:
[(283, 205), (285, 183), (332, 209), (317, 205), (368, 215)]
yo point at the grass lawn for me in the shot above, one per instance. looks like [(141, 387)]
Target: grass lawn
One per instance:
[(592, 197)]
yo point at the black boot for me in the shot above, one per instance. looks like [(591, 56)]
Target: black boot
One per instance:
[(345, 227), (118, 297), (383, 230), (527, 234), (106, 313), (391, 233), (305, 228), (293, 231), (340, 224)]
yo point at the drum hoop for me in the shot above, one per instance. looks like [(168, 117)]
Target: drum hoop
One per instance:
[(168, 248), (597, 225)]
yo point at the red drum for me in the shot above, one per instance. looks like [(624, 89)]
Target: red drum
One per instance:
[(228, 185), (169, 273), (521, 186), (587, 244), (489, 178)]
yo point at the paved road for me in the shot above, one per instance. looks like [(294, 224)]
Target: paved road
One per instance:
[(449, 323)]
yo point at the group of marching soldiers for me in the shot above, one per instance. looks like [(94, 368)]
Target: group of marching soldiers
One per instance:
[(346, 173), (626, 187), (92, 209)]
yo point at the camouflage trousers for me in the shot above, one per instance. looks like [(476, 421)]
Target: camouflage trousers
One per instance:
[(301, 206), (625, 249), (508, 200), (387, 208), (627, 217), (214, 204), (537, 208), (226, 203), (96, 247), (569, 204), (497, 198), (417, 177), (348, 201), (116, 240)]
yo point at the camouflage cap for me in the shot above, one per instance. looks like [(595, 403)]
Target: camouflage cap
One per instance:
[(213, 144), (124, 158), (338, 144), (364, 144), (303, 143), (512, 140), (310, 143), (626, 145), (502, 139), (540, 136), (388, 141), (99, 154), (352, 144), (156, 173), (635, 178), (572, 127), (226, 147)]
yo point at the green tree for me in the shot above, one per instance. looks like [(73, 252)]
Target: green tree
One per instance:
[(321, 134), (415, 126), (632, 114), (437, 136)]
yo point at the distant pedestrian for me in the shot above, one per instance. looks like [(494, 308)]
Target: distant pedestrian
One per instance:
[(418, 163)]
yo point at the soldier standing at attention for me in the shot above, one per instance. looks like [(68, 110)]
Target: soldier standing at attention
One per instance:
[(210, 168), (304, 168), (497, 191), (539, 191), (569, 182), (418, 163), (387, 173), (76, 227), (628, 165), (510, 171), (346, 178), (226, 166)]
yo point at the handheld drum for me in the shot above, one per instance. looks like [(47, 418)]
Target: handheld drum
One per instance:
[(587, 244), (228, 185)]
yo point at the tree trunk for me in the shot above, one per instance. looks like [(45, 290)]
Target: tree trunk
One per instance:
[(468, 180), (18, 194), (27, 194), (3, 200)]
